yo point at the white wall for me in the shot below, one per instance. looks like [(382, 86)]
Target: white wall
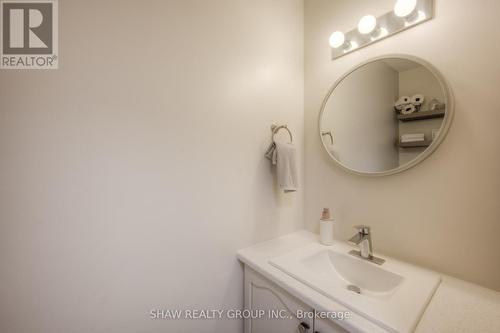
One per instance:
[(360, 115), (130, 176), (444, 213)]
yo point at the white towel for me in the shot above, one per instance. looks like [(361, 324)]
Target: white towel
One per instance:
[(285, 159), (413, 137)]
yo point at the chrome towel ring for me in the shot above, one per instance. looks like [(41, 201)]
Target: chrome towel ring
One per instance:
[(329, 134), (275, 129)]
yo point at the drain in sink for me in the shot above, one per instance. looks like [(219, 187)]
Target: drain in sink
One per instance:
[(354, 288)]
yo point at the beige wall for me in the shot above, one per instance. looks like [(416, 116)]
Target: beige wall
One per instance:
[(445, 213), (130, 176)]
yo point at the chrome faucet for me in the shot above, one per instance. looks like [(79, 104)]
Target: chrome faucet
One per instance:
[(364, 240)]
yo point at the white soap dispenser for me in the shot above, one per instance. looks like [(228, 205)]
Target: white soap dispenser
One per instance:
[(326, 227)]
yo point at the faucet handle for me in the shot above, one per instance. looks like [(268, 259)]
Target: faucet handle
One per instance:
[(363, 229)]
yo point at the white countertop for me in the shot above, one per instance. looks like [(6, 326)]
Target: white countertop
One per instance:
[(457, 306)]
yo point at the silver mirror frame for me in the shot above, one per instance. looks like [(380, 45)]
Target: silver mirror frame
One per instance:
[(448, 118)]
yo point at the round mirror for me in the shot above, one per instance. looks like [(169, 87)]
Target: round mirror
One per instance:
[(385, 116)]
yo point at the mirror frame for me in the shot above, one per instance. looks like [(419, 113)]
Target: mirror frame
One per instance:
[(450, 111)]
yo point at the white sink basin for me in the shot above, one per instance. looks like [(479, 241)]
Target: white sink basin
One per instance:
[(345, 270), (394, 294)]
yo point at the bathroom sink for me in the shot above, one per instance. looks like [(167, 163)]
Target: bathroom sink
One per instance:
[(394, 295), (347, 270)]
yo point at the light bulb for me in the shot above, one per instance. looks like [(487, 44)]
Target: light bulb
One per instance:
[(337, 39), (404, 8), (367, 24)]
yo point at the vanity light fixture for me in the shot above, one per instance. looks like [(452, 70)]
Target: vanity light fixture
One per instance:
[(382, 32), (353, 46), (414, 18), (367, 24), (405, 8), (371, 29), (337, 39)]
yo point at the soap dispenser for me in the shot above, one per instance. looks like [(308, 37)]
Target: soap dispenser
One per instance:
[(326, 227)]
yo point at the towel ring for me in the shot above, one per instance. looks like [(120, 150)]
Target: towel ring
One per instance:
[(329, 134), (276, 129)]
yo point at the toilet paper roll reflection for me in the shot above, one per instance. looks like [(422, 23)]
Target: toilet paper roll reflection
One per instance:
[(402, 102), (408, 109), (417, 99)]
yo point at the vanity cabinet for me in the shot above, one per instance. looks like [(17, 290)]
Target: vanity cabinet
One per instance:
[(270, 309), (327, 326)]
